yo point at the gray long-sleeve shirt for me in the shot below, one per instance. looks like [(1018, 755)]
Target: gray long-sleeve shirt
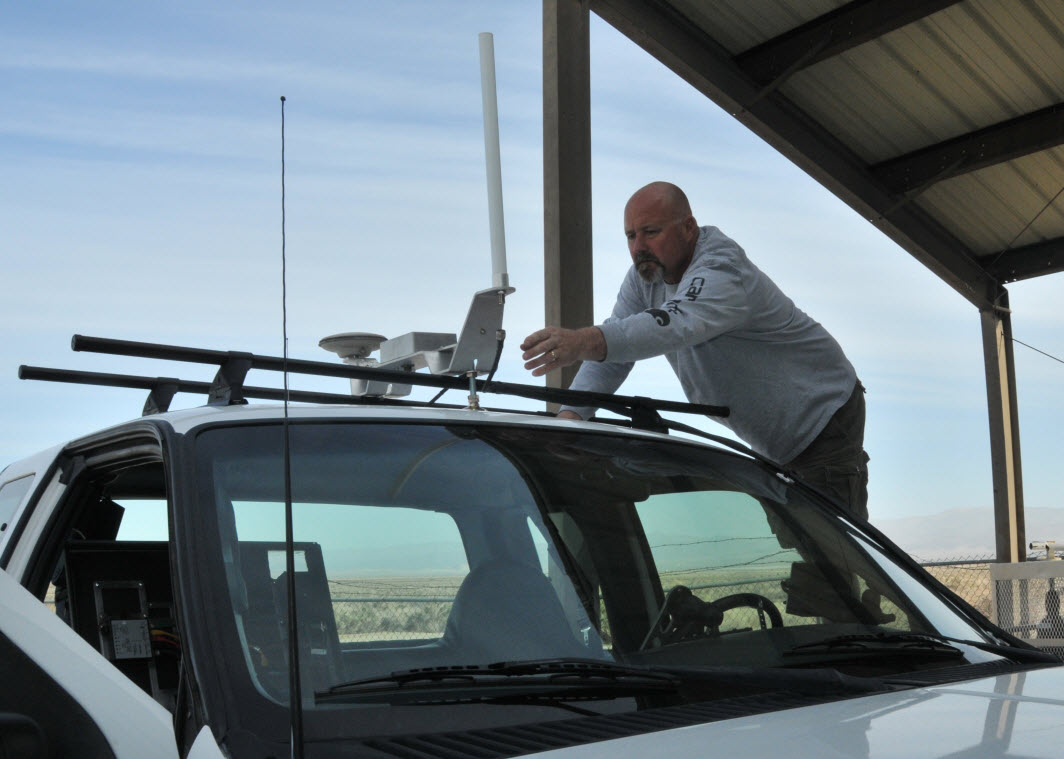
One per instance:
[(734, 339)]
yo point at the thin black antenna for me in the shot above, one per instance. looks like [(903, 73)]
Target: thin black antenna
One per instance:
[(295, 698)]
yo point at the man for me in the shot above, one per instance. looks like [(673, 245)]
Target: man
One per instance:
[(733, 339)]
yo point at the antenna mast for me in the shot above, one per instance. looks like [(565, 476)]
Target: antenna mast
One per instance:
[(500, 278), (475, 350), (295, 693)]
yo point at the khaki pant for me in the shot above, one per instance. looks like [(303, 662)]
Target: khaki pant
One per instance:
[(835, 462)]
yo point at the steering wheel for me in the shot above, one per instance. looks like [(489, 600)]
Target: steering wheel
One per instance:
[(684, 615), (754, 601)]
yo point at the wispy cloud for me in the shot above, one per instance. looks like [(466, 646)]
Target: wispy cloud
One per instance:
[(141, 199)]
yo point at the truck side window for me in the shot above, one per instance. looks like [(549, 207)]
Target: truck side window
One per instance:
[(391, 572), (143, 519), (11, 495), (110, 575)]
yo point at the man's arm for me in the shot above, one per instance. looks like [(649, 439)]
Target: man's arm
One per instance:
[(598, 377), (596, 374), (555, 347), (709, 301)]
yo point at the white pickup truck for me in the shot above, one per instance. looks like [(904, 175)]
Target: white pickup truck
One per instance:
[(472, 583)]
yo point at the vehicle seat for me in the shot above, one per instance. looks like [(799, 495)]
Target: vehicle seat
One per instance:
[(507, 611)]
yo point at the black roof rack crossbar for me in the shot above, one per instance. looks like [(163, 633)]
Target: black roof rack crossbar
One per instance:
[(162, 389), (643, 411)]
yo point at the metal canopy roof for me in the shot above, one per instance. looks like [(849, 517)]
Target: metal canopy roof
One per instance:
[(940, 121)]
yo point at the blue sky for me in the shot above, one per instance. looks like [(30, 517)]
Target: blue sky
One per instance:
[(140, 146)]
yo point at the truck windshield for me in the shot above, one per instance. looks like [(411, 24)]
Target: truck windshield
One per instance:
[(436, 546)]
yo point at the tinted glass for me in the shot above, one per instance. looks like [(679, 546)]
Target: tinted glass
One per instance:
[(428, 546), (11, 495)]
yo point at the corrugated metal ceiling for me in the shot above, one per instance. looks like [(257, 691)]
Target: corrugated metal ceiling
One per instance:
[(940, 121)]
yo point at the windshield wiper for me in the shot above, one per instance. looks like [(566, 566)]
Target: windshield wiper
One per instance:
[(1022, 655), (877, 644), (918, 644), (505, 682), (552, 680)]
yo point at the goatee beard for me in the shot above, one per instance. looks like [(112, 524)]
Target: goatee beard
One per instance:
[(649, 268)]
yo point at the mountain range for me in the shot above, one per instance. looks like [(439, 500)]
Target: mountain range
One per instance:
[(966, 533)]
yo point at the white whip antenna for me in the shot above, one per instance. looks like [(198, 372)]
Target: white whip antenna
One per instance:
[(499, 277), (477, 348)]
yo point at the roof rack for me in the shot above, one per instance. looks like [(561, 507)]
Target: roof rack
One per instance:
[(228, 387), (163, 389)]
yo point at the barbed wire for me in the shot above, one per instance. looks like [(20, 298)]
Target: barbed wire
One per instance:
[(713, 540), (786, 551)]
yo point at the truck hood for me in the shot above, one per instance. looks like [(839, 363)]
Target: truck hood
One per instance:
[(1008, 716)]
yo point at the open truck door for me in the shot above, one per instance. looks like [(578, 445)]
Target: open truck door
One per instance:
[(60, 697)]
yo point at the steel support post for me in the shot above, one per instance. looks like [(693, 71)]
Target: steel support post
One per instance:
[(1004, 431), (567, 170)]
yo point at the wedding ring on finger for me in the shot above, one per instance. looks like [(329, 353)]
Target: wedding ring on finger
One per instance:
[(553, 356)]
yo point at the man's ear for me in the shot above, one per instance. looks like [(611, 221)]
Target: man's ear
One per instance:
[(690, 226)]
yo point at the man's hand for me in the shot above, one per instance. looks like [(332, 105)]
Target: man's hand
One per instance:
[(554, 347)]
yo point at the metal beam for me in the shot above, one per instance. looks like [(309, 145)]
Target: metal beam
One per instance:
[(567, 170), (703, 63), (1029, 261), (836, 32), (1009, 529), (991, 145)]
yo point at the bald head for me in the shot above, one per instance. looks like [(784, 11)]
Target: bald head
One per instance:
[(661, 231), (667, 195)]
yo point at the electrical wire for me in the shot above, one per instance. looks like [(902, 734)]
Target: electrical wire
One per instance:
[(1036, 350), (438, 396), (501, 339), (1027, 226), (487, 382)]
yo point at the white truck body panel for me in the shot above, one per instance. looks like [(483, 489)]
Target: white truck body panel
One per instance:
[(131, 721), (1009, 715)]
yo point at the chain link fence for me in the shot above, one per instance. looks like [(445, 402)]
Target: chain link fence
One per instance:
[(968, 577), (411, 608), (370, 610)]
